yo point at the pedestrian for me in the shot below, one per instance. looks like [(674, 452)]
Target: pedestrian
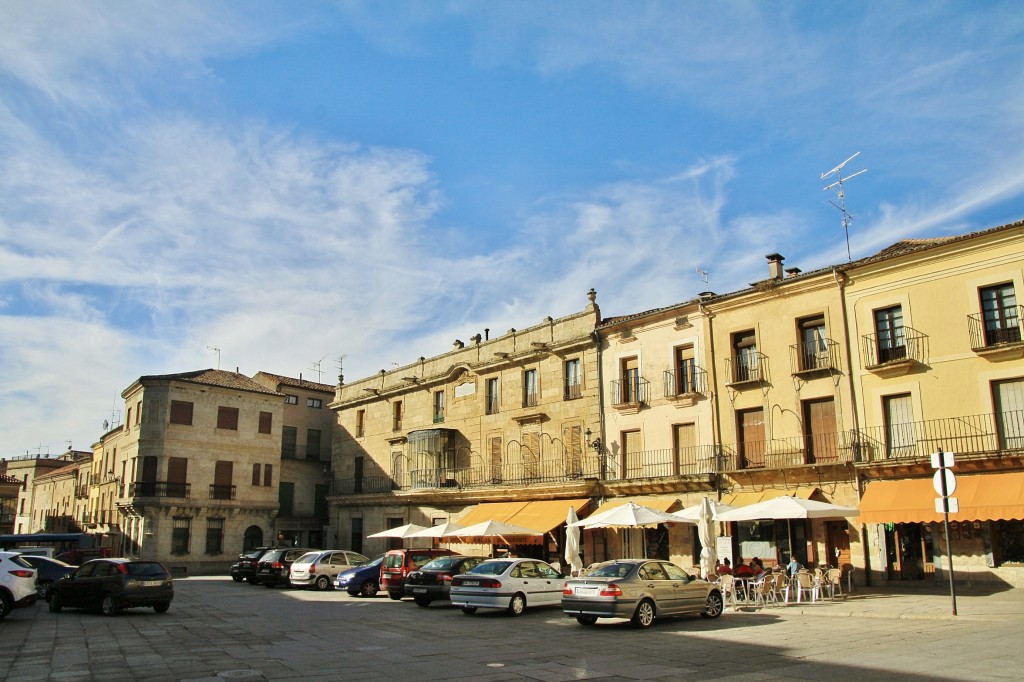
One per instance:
[(793, 567)]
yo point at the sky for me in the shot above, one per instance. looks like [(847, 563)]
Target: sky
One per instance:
[(274, 186)]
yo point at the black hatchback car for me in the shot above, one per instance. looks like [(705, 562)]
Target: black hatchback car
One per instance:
[(113, 584), (433, 580), (274, 565), (248, 562)]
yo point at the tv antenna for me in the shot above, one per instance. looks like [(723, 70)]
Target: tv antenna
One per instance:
[(703, 274), (841, 196), (341, 375), (217, 351), (316, 368)]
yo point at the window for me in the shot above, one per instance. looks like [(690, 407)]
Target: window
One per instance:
[(289, 440), (256, 474), (214, 535), (1009, 405), (899, 425), (227, 418), (180, 531), (495, 459), (572, 441), (268, 475), (530, 388), (181, 412), (360, 423), (266, 422), (312, 443), (128, 418), (747, 366), (813, 344), (684, 440), (891, 337), (286, 498), (492, 396), (531, 453), (357, 475), (138, 413), (573, 385), (751, 432), (315, 403), (291, 400), (632, 452), (396, 416), (438, 406), (222, 489), (356, 537), (630, 390), (686, 370), (1000, 314), (820, 439), (177, 476)]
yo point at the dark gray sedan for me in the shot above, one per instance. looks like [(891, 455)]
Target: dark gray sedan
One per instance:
[(641, 590)]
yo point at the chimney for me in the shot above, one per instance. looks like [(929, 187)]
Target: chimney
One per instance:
[(793, 272), (774, 265)]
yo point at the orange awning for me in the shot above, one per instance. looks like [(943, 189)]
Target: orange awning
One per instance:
[(544, 515), (742, 499), (491, 511), (982, 497), (662, 504)]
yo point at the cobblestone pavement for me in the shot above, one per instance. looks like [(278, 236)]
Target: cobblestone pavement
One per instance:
[(219, 630)]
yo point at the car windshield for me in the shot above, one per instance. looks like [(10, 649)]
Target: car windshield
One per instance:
[(145, 569), (491, 567), (611, 571), (307, 558), (444, 563)]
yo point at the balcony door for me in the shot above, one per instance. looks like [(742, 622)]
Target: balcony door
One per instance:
[(820, 430), (177, 476), (751, 427), (901, 440), (632, 453), (1009, 400), (892, 341), (999, 310)]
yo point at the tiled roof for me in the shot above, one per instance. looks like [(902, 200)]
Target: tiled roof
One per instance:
[(56, 472), (214, 377), (297, 383), (610, 321)]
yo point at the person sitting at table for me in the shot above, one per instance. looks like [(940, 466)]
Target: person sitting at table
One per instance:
[(743, 570), (724, 567), (756, 567)]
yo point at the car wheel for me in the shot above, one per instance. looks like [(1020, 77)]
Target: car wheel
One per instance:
[(422, 601), (237, 578), (395, 595), (109, 605), (469, 610), (714, 607), (162, 607), (643, 617), (5, 605), (586, 619), (517, 604), (323, 583), (54, 602), (369, 589)]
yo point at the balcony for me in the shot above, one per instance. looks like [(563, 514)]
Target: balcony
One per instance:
[(222, 492), (981, 434), (897, 355), (573, 391), (684, 386), (746, 369), (1000, 331), (779, 453), (82, 492), (629, 394), (530, 399), (438, 416), (492, 404), (810, 358), (159, 489), (692, 461)]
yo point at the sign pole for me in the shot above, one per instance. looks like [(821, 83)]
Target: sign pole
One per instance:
[(945, 523)]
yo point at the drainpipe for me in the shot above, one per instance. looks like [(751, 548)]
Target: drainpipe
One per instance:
[(716, 411), (596, 338)]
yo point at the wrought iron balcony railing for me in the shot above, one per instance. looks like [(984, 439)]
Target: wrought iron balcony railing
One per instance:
[(995, 328), (222, 492), (690, 461), (687, 381), (159, 489), (907, 344), (747, 367), (811, 357), (631, 391)]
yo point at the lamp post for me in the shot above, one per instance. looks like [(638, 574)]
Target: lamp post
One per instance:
[(598, 446)]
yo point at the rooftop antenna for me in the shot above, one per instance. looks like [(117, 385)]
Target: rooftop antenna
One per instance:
[(316, 368), (217, 351), (703, 274), (341, 374), (838, 187)]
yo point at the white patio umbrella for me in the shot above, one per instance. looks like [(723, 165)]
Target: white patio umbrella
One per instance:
[(435, 531), (706, 533), (692, 514), (400, 532), (629, 515), (572, 543), (788, 507)]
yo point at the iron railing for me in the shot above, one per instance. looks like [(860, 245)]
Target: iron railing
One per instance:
[(492, 404), (631, 391), (1000, 329), (573, 391), (746, 367), (690, 380), (159, 489), (905, 344), (811, 357), (222, 492), (972, 434), (690, 461)]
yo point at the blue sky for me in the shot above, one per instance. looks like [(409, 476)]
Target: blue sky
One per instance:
[(294, 182)]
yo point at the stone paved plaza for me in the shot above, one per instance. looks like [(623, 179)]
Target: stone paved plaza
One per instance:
[(219, 630)]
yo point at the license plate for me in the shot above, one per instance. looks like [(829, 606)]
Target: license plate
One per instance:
[(586, 591), (471, 583), (151, 583), (419, 590)]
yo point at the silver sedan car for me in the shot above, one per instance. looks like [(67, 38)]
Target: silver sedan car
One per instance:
[(641, 590), (510, 584)]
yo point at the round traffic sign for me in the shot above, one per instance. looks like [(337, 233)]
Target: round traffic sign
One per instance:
[(950, 481)]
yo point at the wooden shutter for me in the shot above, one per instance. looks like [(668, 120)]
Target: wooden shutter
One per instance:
[(751, 423)]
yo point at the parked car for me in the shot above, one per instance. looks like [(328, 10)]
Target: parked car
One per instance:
[(511, 584), (397, 564), (641, 590), (113, 584), (320, 568), (245, 567), (47, 571), (275, 565), (17, 583), (361, 580), (433, 580)]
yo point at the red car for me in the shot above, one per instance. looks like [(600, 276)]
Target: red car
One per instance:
[(399, 562)]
